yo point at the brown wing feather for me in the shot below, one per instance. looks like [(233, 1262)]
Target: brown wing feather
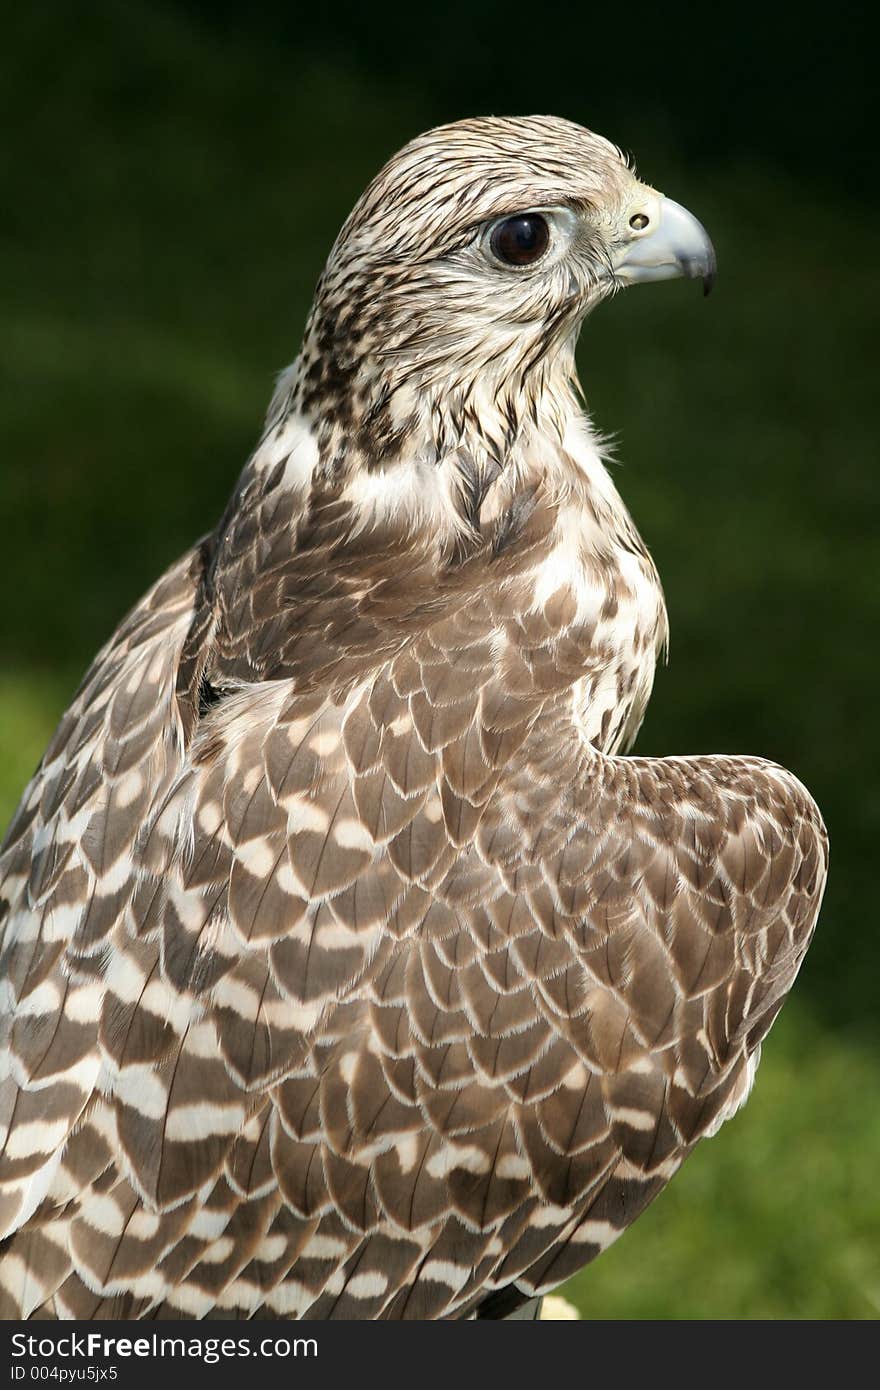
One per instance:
[(321, 1053)]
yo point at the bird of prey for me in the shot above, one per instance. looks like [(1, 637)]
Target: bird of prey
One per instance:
[(349, 970)]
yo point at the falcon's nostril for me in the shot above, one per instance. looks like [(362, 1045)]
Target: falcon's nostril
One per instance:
[(639, 221)]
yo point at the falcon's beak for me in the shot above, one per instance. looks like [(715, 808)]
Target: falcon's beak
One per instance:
[(664, 241)]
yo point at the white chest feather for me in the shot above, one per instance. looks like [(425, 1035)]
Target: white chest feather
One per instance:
[(599, 556)]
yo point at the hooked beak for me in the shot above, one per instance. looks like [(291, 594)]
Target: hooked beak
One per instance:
[(670, 243)]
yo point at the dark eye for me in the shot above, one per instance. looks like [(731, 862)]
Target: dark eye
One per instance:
[(520, 240)]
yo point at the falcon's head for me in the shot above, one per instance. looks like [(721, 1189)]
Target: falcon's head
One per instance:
[(448, 312)]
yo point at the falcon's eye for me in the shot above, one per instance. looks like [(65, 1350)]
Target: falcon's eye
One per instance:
[(520, 240)]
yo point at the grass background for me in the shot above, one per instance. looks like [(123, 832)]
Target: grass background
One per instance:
[(173, 175)]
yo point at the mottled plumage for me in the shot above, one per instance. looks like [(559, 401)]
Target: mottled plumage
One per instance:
[(347, 969)]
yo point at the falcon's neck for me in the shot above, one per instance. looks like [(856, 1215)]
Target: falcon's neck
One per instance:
[(343, 545), (417, 397)]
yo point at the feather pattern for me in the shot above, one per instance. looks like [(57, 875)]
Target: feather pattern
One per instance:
[(347, 969)]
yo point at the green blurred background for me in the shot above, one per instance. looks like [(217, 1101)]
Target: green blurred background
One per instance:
[(173, 175)]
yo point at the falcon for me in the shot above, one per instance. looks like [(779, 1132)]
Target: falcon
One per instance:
[(348, 968)]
